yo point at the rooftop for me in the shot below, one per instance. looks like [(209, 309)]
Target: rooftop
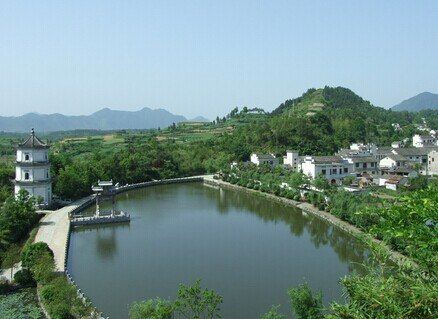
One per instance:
[(33, 142), (414, 151), (363, 159), (326, 159), (397, 157)]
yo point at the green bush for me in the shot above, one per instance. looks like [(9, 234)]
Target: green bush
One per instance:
[(25, 278), (31, 253), (60, 311), (304, 304)]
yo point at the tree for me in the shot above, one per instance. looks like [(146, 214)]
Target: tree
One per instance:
[(321, 183), (348, 180), (196, 303), (151, 309), (297, 180), (192, 302), (304, 305), (273, 314), (17, 217)]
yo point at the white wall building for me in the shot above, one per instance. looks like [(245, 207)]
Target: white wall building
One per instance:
[(432, 162), (260, 159), (391, 161), (32, 171), (364, 164), (292, 159), (423, 140), (333, 168)]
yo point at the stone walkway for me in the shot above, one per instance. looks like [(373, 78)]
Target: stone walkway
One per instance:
[(54, 229)]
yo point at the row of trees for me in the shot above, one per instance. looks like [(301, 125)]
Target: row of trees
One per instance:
[(195, 302)]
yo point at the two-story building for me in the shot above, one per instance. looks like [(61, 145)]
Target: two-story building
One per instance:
[(292, 160), (423, 140), (432, 161), (261, 159), (364, 165), (393, 160), (333, 168)]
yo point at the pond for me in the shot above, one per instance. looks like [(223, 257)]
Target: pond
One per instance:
[(247, 248)]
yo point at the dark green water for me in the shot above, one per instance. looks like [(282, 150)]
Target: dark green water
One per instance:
[(245, 247)]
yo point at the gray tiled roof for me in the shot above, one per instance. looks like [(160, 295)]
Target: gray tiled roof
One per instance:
[(327, 159), (414, 151), (363, 159), (397, 157), (33, 142)]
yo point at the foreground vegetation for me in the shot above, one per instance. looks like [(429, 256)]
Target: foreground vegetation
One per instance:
[(58, 296), (20, 305)]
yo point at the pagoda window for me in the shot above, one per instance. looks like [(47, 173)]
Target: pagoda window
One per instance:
[(26, 156), (26, 175)]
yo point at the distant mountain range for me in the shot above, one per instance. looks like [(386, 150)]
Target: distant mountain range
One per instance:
[(104, 119), (422, 101)]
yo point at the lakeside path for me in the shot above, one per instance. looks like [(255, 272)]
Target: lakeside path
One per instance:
[(54, 230)]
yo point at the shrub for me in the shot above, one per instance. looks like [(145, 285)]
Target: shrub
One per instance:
[(32, 252), (58, 297), (24, 277), (154, 308), (304, 304), (43, 268), (60, 311)]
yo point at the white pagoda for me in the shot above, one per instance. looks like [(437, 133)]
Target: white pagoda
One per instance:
[(32, 171)]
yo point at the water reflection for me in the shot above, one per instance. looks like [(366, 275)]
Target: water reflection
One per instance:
[(246, 247), (348, 249)]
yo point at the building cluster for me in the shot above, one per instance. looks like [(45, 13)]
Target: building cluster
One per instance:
[(365, 164)]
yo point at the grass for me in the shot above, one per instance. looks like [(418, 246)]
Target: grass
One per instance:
[(22, 304)]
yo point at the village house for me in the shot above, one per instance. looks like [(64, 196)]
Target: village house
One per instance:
[(382, 152), (364, 164), (394, 181), (292, 160), (393, 160), (260, 159), (399, 144), (396, 127), (416, 156), (433, 162), (333, 168), (423, 140)]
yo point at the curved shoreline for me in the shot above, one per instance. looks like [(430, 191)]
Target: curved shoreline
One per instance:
[(55, 227), (350, 229)]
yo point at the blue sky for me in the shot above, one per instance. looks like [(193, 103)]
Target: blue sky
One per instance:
[(205, 57)]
